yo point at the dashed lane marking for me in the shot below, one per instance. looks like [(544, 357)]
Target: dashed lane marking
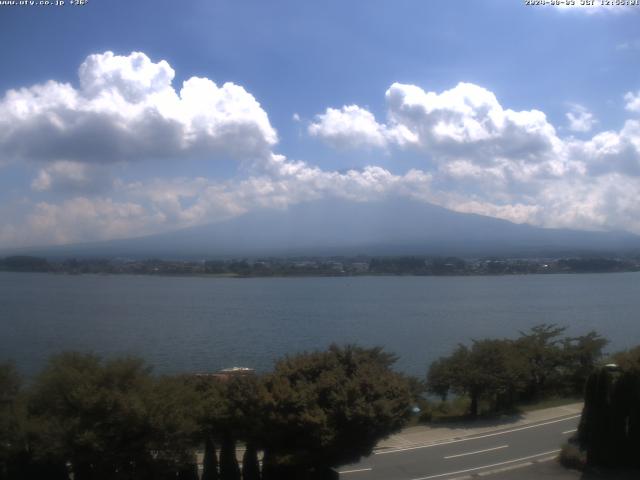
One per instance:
[(359, 470), (503, 432), (477, 451), (487, 466)]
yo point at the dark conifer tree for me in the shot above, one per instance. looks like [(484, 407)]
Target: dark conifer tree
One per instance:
[(250, 464), (229, 468), (210, 461)]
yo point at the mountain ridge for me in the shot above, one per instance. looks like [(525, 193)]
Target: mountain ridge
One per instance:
[(340, 227)]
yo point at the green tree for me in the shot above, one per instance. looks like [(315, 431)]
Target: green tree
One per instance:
[(490, 369), (171, 405), (250, 464), (229, 468), (10, 414), (628, 360), (245, 403), (580, 358), (609, 429), (330, 408), (210, 460), (439, 378), (541, 347), (111, 419)]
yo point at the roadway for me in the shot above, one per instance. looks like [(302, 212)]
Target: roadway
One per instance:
[(468, 456)]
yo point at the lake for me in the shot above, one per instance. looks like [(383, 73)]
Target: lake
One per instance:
[(199, 324)]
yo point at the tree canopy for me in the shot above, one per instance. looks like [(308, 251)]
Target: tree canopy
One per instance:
[(332, 407), (503, 371), (609, 429), (113, 419)]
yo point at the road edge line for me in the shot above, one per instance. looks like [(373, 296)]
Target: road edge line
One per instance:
[(476, 436)]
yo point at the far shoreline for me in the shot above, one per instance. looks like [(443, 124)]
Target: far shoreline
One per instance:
[(300, 276)]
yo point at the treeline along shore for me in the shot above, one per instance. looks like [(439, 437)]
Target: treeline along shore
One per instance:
[(88, 418), (325, 266)]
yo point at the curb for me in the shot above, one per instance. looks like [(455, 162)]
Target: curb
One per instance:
[(409, 446)]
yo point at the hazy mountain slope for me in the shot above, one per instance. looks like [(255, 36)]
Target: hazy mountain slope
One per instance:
[(341, 227)]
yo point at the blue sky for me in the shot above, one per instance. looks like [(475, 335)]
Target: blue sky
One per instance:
[(525, 113)]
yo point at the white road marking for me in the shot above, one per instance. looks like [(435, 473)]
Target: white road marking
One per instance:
[(385, 452), (355, 471), (477, 451), (487, 466), (570, 431)]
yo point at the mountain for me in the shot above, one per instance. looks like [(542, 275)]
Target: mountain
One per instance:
[(392, 227)]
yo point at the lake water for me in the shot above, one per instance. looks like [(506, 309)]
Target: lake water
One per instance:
[(183, 324)]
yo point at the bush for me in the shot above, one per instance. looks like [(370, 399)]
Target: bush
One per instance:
[(572, 457), (426, 414)]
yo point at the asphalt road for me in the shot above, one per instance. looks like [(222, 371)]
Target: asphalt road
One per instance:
[(466, 456)]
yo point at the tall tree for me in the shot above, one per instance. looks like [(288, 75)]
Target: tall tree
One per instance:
[(250, 464), (490, 369), (330, 408), (229, 468), (609, 429), (210, 460), (106, 418), (10, 428), (541, 347), (439, 378), (580, 358)]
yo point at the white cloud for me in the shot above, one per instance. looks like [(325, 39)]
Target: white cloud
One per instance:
[(632, 101), (356, 127), (125, 110), (576, 198), (77, 219), (465, 121), (611, 151), (153, 206), (580, 119), (477, 156), (468, 121), (484, 158), (72, 177)]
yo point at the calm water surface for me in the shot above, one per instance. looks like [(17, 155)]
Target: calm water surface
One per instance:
[(202, 324)]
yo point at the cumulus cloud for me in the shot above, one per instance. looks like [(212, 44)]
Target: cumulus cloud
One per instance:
[(611, 151), (126, 109), (579, 198), (476, 155), (72, 177), (355, 127), (158, 205), (78, 219), (468, 121), (580, 119), (632, 101), (487, 159)]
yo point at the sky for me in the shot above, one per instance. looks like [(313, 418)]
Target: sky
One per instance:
[(120, 119)]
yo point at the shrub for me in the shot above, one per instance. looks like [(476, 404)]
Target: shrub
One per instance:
[(426, 414), (572, 457)]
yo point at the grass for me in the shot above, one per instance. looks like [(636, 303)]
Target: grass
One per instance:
[(548, 403)]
